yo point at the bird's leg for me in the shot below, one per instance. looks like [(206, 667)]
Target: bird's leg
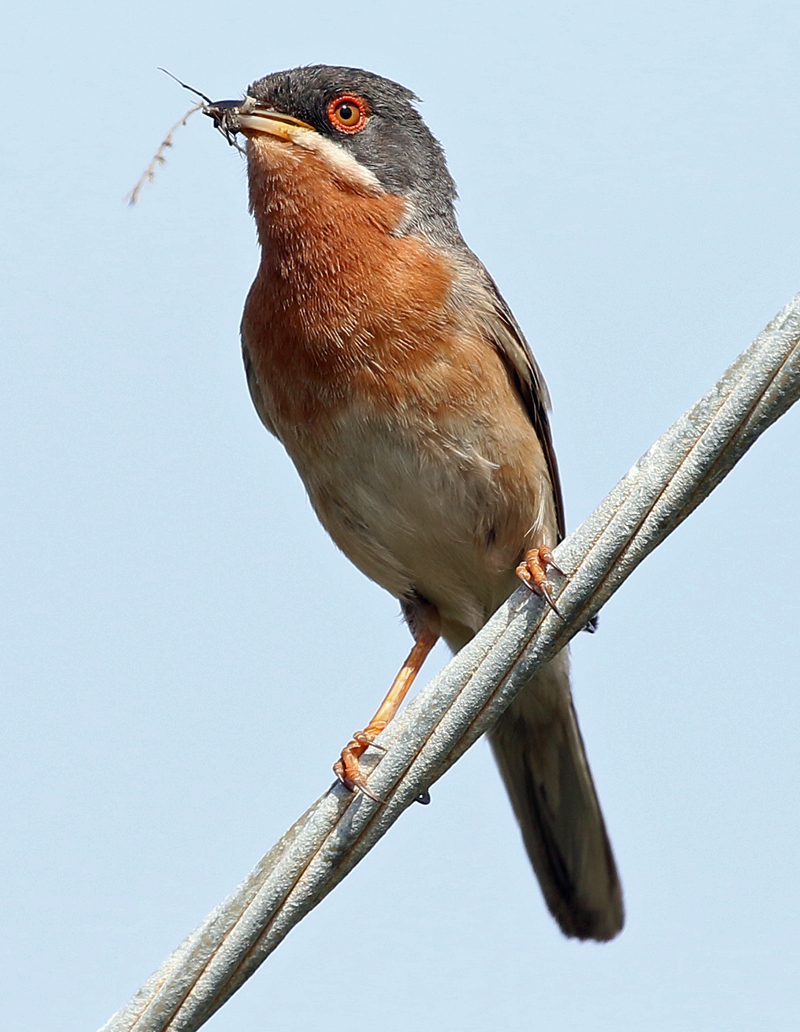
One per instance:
[(532, 571), (346, 768)]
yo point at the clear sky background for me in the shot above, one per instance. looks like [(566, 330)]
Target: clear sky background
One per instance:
[(183, 652)]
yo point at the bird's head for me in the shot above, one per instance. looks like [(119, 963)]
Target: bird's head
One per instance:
[(360, 130)]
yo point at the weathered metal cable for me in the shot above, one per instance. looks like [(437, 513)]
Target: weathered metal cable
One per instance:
[(451, 713)]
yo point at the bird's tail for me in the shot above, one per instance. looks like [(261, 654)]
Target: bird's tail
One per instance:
[(538, 746)]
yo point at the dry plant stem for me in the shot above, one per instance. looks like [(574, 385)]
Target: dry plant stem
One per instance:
[(448, 716), (149, 173)]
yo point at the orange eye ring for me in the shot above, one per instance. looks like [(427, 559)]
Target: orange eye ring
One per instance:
[(348, 113)]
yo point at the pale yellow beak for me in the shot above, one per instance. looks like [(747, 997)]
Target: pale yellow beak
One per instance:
[(254, 119)]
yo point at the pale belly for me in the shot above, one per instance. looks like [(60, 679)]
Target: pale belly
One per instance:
[(427, 511)]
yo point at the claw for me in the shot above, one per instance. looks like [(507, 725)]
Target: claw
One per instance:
[(354, 781), (546, 591), (532, 571), (546, 556), (364, 739)]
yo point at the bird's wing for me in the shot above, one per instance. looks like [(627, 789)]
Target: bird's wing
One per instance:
[(507, 337), (255, 389)]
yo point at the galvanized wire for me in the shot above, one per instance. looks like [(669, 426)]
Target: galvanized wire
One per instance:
[(451, 713)]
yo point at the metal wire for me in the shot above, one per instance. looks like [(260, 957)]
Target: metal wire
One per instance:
[(451, 713)]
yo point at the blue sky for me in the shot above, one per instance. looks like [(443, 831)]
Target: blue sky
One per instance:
[(182, 650)]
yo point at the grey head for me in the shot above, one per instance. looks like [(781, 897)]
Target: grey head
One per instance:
[(393, 142)]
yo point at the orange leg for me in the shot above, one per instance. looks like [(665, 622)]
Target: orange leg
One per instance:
[(532, 571), (346, 768)]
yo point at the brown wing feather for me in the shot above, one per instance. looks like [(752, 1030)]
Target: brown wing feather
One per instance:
[(509, 340)]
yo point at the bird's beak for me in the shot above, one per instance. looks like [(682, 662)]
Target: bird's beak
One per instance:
[(253, 119)]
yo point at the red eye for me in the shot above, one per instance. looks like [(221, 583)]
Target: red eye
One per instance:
[(348, 113)]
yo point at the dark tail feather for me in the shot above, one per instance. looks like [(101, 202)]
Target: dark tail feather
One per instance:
[(538, 747)]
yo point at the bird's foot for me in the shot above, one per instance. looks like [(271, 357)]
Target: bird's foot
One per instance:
[(347, 769), (532, 571)]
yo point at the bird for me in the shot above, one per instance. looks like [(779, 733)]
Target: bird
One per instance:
[(381, 354)]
